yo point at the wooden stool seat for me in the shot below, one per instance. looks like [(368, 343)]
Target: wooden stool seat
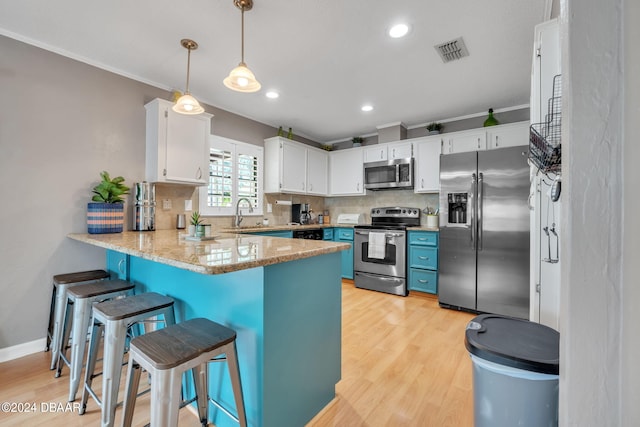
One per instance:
[(59, 307), (91, 290), (83, 297), (132, 306), (170, 347), (116, 316), (80, 276), (166, 354)]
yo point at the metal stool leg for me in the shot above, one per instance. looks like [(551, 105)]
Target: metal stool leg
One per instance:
[(81, 317), (165, 392), (51, 323), (200, 381), (59, 315), (94, 341), (61, 346), (133, 381), (236, 384), (115, 334)]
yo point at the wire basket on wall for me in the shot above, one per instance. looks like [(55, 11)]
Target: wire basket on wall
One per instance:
[(545, 138)]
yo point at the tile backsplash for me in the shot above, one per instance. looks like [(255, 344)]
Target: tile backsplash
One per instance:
[(281, 214)]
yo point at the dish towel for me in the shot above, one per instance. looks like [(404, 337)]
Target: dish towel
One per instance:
[(377, 243)]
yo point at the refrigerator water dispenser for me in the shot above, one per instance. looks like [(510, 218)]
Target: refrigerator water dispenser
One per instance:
[(457, 208)]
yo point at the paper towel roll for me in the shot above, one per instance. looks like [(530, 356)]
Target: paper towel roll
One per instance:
[(283, 202)]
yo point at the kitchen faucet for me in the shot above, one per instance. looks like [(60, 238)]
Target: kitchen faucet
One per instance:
[(239, 217)]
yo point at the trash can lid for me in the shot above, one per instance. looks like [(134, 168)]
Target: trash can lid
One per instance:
[(514, 342)]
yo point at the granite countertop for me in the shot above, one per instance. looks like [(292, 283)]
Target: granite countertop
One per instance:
[(228, 252), (286, 227), (259, 228)]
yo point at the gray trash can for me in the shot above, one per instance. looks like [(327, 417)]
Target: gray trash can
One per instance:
[(515, 371)]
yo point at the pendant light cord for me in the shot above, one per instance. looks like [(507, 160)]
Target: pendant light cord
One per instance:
[(242, 36), (188, 68)]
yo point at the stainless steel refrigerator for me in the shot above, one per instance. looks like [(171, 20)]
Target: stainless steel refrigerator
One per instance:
[(484, 232)]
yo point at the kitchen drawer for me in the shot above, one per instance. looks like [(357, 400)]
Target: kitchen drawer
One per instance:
[(344, 234), (327, 234), (423, 238), (423, 280), (423, 257)]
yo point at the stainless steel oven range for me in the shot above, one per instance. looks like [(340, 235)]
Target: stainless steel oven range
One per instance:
[(380, 250)]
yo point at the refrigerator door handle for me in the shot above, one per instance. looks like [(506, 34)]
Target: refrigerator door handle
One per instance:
[(480, 207), (472, 210)]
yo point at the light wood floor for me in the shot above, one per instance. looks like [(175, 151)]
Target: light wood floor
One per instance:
[(403, 364)]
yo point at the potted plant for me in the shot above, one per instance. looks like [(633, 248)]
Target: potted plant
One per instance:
[(434, 128), (196, 228), (357, 141), (105, 214)]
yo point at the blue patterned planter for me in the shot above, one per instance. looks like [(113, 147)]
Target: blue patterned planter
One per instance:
[(105, 218)]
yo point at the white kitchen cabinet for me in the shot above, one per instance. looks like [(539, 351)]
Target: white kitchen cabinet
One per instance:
[(400, 150), (388, 151), (460, 142), (317, 172), (509, 135), (346, 172), (375, 153), (292, 167), (427, 164), (177, 145)]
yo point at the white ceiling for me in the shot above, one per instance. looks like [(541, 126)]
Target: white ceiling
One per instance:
[(325, 57)]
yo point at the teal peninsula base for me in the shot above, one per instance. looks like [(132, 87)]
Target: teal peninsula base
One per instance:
[(288, 320)]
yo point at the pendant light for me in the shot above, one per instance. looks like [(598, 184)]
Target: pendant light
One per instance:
[(187, 104), (241, 78)]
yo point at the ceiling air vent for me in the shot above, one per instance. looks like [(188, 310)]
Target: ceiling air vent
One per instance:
[(452, 50)]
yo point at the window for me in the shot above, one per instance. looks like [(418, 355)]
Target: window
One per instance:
[(235, 171)]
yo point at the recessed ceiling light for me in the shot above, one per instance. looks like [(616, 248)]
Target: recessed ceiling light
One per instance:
[(367, 107), (398, 30), (272, 94)]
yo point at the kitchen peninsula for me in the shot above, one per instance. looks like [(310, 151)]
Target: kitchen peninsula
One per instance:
[(282, 297)]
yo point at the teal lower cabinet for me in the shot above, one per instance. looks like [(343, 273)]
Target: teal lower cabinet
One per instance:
[(423, 261), (327, 234), (345, 235)]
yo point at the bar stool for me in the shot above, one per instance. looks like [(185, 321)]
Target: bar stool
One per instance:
[(167, 353), (61, 282), (83, 297), (116, 317)]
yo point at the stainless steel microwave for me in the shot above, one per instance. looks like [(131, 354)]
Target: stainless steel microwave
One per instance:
[(389, 174)]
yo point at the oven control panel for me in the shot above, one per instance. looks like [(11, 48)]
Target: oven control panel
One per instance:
[(396, 212)]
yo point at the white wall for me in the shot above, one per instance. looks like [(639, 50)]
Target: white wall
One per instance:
[(599, 378), (61, 123), (630, 349)]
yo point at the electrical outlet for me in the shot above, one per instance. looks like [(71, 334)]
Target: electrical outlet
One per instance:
[(188, 205), (269, 208), (166, 204)]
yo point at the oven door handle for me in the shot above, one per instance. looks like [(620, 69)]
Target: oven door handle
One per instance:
[(387, 235)]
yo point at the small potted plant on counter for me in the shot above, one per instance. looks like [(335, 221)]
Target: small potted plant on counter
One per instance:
[(434, 128), (105, 213), (196, 228)]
